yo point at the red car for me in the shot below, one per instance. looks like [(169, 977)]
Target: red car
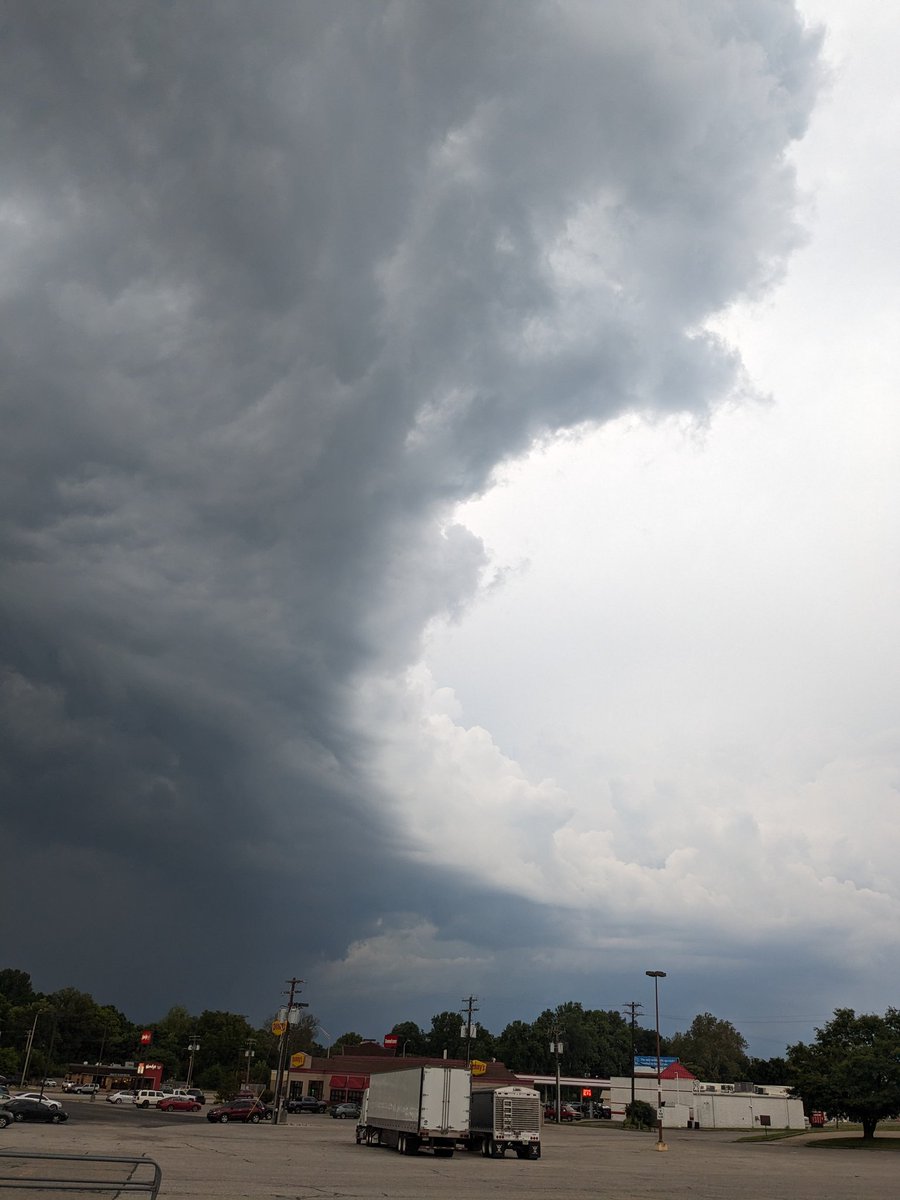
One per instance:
[(179, 1104), (240, 1110), (566, 1113)]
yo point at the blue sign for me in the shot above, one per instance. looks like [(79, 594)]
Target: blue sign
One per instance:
[(647, 1062)]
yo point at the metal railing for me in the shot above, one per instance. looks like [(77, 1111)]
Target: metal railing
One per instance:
[(94, 1173)]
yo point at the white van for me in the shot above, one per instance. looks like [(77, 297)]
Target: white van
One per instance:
[(147, 1098)]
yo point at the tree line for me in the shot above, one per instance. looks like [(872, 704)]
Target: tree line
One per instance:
[(852, 1069), (68, 1026)]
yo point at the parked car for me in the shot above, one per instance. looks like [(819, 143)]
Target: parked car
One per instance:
[(37, 1096), (49, 1082), (197, 1094), (33, 1110), (147, 1097), (344, 1112), (306, 1104), (82, 1089), (566, 1113), (253, 1111), (178, 1104), (120, 1097), (6, 1117)]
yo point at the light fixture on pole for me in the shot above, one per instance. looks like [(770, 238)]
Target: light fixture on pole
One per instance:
[(656, 976)]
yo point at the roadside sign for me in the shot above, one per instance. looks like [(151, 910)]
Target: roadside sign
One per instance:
[(278, 1027)]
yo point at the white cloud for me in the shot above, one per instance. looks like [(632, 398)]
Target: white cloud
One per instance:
[(675, 702)]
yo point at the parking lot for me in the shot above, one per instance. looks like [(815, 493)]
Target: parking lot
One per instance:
[(315, 1158)]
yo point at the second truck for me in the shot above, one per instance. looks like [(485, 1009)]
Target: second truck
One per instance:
[(505, 1118)]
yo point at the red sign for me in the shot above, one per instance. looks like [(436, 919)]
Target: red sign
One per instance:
[(390, 1041), (146, 1037), (587, 1093)]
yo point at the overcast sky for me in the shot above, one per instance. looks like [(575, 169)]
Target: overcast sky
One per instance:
[(450, 527)]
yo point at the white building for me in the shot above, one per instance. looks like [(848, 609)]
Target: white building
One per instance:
[(689, 1103)]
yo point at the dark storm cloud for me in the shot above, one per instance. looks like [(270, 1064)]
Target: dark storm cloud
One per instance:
[(279, 283)]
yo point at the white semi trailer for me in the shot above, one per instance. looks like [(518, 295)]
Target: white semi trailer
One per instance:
[(506, 1118), (419, 1108)]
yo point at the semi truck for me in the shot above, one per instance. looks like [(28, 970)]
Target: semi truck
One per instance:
[(421, 1108), (505, 1118)]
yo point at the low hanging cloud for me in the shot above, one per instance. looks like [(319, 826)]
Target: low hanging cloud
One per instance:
[(280, 284)]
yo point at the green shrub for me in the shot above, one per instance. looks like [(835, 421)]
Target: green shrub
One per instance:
[(640, 1115)]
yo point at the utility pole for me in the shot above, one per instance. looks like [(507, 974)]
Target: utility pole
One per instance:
[(556, 1047), (28, 1045), (471, 1007), (634, 1008), (287, 1018), (249, 1054), (193, 1047)]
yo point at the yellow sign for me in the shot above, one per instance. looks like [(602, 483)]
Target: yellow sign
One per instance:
[(298, 1060), (478, 1067), (278, 1027)]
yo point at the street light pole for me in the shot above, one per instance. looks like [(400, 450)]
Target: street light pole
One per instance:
[(656, 976)]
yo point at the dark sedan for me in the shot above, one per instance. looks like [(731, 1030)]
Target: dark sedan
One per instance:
[(239, 1110), (33, 1110), (306, 1104)]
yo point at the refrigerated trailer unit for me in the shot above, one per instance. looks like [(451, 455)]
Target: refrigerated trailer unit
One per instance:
[(506, 1118), (420, 1108)]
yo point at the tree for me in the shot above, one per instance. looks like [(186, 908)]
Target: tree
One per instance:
[(349, 1040), (223, 1037), (852, 1069), (410, 1039), (519, 1046), (611, 1048), (15, 986), (712, 1049), (171, 1037), (446, 1034), (768, 1070)]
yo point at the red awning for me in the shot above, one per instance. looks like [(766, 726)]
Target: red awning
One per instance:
[(357, 1083), (339, 1081)]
